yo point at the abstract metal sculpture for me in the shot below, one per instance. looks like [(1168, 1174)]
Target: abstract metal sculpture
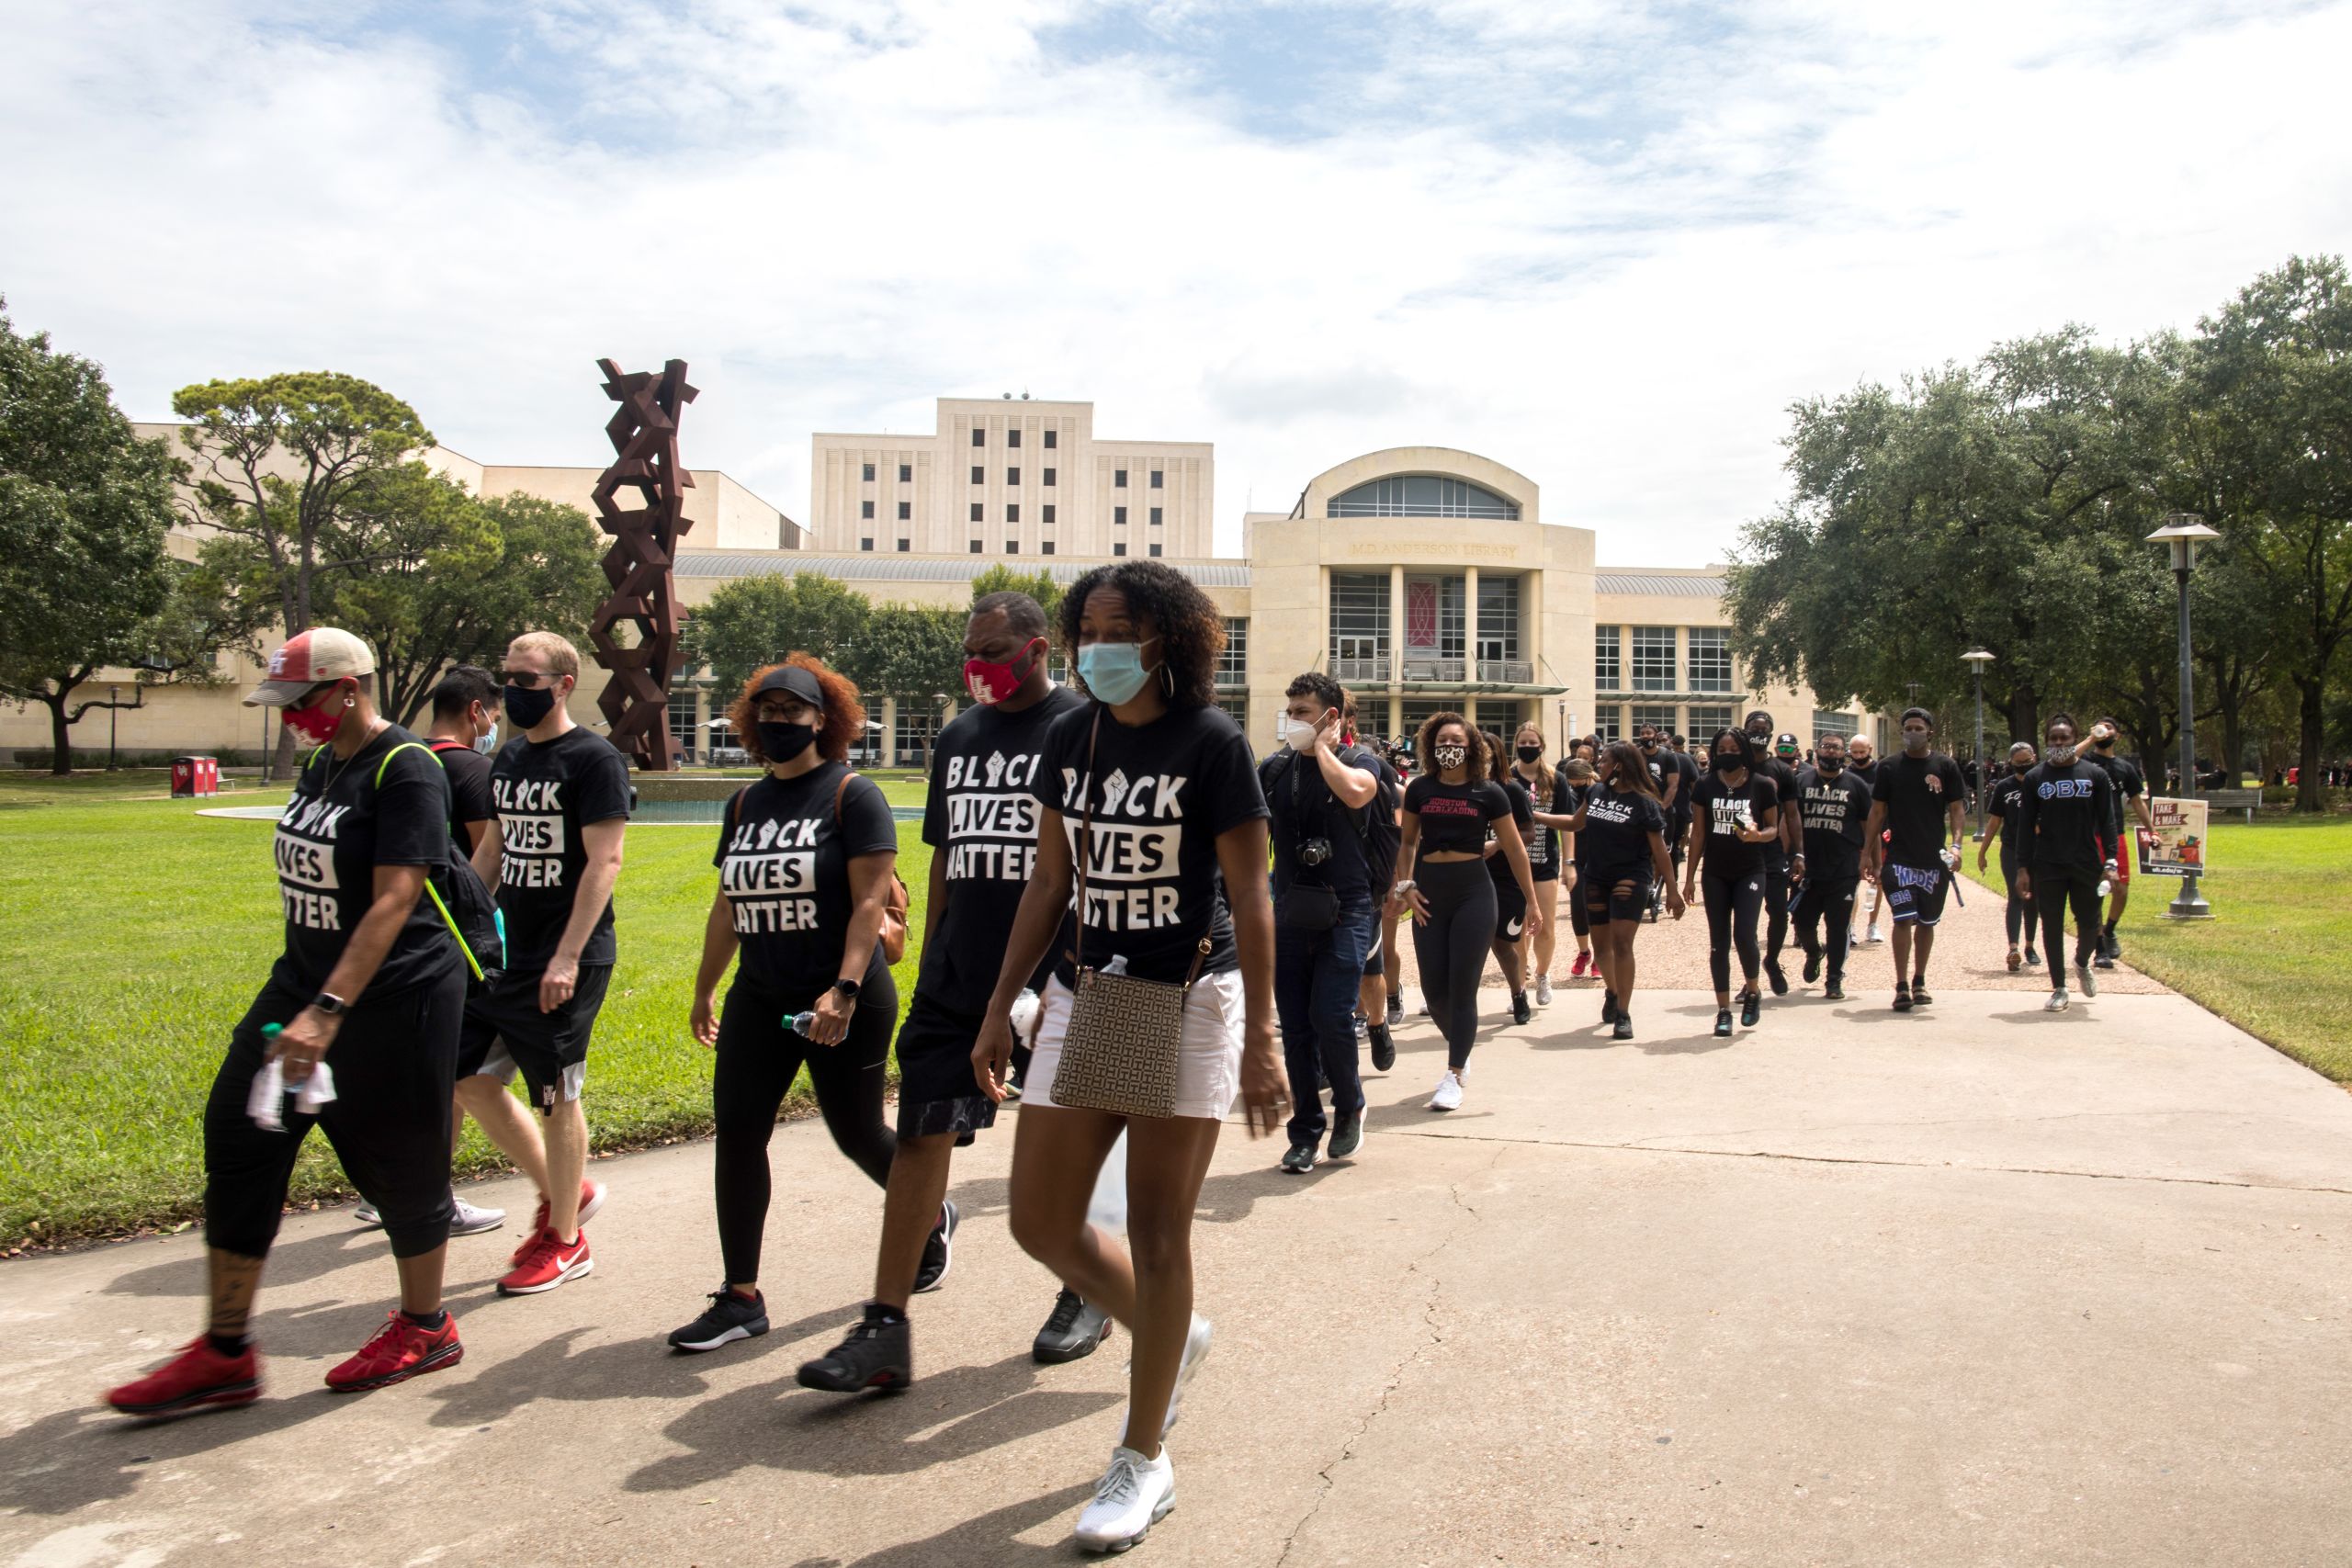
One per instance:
[(644, 430)]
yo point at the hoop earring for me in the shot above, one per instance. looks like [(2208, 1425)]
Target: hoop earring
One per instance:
[(1168, 677)]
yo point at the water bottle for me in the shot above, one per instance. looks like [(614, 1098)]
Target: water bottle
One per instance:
[(802, 1022), (2106, 878)]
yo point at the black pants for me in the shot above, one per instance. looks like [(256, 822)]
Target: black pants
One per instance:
[(1579, 923), (1317, 976), (1732, 903), (2018, 916), (759, 1056), (2055, 888), (1776, 899), (1452, 948), (395, 1061), (1826, 899)]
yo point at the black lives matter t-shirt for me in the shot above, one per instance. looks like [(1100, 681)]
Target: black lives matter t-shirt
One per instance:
[(1617, 829), (1161, 794), (982, 815), (783, 862), (470, 796), (1454, 816), (1834, 810), (1920, 793), (1723, 811), (343, 823), (1543, 843), (547, 792)]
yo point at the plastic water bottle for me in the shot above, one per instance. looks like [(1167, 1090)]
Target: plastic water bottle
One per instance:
[(2106, 878), (802, 1022)]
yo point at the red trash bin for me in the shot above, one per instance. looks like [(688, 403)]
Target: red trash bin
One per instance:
[(194, 775)]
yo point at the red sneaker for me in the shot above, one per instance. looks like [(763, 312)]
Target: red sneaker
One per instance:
[(543, 1263), (400, 1351), (1584, 962), (197, 1377), (592, 1198)]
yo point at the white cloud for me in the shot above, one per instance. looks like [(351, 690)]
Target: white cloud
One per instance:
[(1605, 247)]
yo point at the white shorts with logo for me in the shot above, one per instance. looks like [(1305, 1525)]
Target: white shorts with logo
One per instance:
[(1208, 1059)]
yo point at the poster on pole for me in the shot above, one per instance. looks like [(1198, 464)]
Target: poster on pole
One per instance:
[(2174, 843)]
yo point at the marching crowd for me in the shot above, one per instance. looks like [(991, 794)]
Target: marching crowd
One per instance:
[(1125, 909)]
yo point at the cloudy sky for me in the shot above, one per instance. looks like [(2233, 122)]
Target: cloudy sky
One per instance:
[(1606, 244)]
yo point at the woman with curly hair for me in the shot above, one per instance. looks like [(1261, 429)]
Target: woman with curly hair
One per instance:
[(1154, 785), (1621, 840), (806, 861)]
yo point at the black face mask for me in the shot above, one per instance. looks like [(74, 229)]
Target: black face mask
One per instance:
[(783, 742), (1528, 753), (1730, 761), (1831, 764), (527, 706)]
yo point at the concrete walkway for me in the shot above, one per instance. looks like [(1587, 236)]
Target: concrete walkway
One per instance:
[(1975, 1286)]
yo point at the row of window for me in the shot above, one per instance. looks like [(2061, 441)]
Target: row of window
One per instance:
[(1694, 724), (1655, 664), (1011, 437)]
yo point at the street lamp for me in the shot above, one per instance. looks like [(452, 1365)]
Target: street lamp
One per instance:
[(114, 704), (1976, 659), (2182, 533)]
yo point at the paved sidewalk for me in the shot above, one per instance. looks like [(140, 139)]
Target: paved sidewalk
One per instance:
[(1973, 1286)]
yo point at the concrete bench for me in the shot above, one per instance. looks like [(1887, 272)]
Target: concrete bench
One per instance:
[(2244, 800)]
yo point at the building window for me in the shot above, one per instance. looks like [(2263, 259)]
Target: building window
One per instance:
[(1155, 480), (976, 547), (1660, 715), (1118, 479), (1119, 550), (906, 511), (866, 543), (979, 474), (1155, 548), (866, 509), (1606, 675), (1012, 547), (1012, 476), (682, 720), (905, 546), (1420, 495), (1359, 618), (1605, 723), (1012, 513), (1049, 476), (1154, 517), (975, 511), (1414, 711), (1704, 722), (906, 473), (1013, 438), (1709, 660), (1498, 627), (1049, 512), (1050, 442), (980, 436), (868, 475), (917, 729), (1046, 549), (1654, 658), (1232, 659), (1829, 723), (1119, 514)]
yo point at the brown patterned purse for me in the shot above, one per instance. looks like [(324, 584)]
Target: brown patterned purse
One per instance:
[(1125, 1034)]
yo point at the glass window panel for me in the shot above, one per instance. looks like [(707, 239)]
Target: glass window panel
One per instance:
[(1710, 659), (1233, 662), (1607, 676), (1359, 616), (1654, 660)]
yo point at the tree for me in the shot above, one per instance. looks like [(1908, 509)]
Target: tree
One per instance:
[(84, 506), (911, 653), (1039, 585), (754, 621)]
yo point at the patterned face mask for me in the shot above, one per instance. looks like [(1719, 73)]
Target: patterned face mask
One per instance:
[(1451, 756)]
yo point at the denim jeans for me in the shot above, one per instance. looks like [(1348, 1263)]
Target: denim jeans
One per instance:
[(1317, 978)]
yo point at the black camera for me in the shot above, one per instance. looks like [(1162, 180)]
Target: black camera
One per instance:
[(1314, 851)]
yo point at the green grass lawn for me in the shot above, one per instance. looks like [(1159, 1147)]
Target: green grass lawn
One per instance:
[(2276, 960), (136, 933)]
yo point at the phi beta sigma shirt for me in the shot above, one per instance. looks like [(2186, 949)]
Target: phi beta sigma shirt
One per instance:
[(339, 827), (547, 792), (1161, 794), (981, 813), (784, 865)]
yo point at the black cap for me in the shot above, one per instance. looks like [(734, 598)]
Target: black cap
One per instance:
[(1786, 745), (793, 680)]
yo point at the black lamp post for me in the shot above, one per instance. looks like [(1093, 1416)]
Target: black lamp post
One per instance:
[(1976, 659), (2181, 533)]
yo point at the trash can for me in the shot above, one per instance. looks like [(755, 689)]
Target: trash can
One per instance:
[(194, 775)]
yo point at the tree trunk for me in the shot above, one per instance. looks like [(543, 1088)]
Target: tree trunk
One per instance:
[(2025, 714), (2310, 789), (61, 733)]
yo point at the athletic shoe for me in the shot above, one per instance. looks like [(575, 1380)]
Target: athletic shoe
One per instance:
[(2086, 978), (1834, 992), (2057, 1002), (1778, 976), (1449, 1092), (1133, 1494), (1300, 1160), (2103, 961), (1608, 1007), (728, 1318), (1751, 1007), (464, 1218), (401, 1350), (1812, 964), (197, 1378), (542, 1263), (1395, 1009), (1196, 1350), (938, 1250), (1424, 1006), (2109, 946), (1582, 969), (1722, 1023), (1870, 938), (1544, 990), (1346, 1134), (1073, 1330), (878, 1353), (2014, 962), (592, 1198), (1919, 997), (2032, 959), (1519, 1011), (1362, 1024), (1383, 1049), (1902, 999), (1625, 1030)]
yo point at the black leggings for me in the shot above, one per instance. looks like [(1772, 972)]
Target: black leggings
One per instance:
[(395, 1061), (1732, 902), (1829, 898), (1452, 948), (1776, 899), (2055, 888), (2019, 915), (759, 1056), (1579, 921)]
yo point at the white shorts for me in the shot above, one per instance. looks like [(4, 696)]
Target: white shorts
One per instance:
[(1208, 1060)]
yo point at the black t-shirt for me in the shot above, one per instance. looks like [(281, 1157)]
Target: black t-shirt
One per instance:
[(1169, 790), (1543, 843), (1617, 829), (470, 798), (1918, 793), (1687, 766), (2065, 809), (1726, 810), (783, 864), (2130, 785), (547, 792), (2005, 799), (1866, 771), (1381, 832), (1785, 779), (981, 813), (1565, 800), (1522, 813), (1454, 816), (1834, 810), (1304, 807), (342, 823)]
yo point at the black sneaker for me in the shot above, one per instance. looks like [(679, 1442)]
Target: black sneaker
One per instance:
[(1608, 1007), (1778, 976), (2032, 959), (728, 1318), (1835, 991), (1519, 1011), (1395, 1009), (1812, 964), (1625, 1030), (1751, 1007), (1384, 1048), (1346, 1134), (878, 1354), (1071, 1332), (939, 1251), (1299, 1161), (1722, 1023), (2109, 946), (1902, 999)]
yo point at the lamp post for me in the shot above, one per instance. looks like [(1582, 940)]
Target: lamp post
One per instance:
[(2182, 533), (114, 704), (1976, 659)]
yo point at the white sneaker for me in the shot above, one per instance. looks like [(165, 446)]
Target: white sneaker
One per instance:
[(1136, 1494), (1449, 1092), (465, 1219), (1544, 990), (1196, 1350), (2058, 1001), (1870, 938), (2087, 977)]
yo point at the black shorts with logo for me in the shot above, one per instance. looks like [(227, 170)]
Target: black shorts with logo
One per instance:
[(505, 1031), (937, 1089), (1915, 892)]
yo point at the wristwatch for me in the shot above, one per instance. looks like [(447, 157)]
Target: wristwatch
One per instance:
[(848, 989), (329, 1003)]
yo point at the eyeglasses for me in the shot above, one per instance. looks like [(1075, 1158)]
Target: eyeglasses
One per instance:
[(527, 679)]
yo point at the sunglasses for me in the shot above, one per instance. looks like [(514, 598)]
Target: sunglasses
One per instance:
[(527, 679)]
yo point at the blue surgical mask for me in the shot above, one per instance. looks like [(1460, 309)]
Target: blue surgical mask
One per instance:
[(488, 744), (1113, 671)]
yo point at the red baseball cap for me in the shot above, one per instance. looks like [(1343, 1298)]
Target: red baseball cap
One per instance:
[(308, 659)]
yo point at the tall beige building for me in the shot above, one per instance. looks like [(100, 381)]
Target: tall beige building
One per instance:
[(1005, 477)]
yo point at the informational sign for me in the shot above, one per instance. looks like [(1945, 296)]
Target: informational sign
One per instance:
[(2175, 845)]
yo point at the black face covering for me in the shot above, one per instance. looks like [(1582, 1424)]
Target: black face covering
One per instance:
[(1830, 765), (1730, 761), (783, 742), (1530, 753), (527, 705)]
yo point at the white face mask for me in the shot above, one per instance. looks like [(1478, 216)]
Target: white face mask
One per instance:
[(1296, 733)]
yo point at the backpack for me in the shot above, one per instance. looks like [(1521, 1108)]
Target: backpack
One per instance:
[(895, 903), (469, 909), (1376, 824)]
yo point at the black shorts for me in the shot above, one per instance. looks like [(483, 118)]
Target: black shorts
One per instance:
[(1546, 870), (505, 1031), (937, 1091), (1510, 911), (1915, 892), (1375, 963), (1604, 902)]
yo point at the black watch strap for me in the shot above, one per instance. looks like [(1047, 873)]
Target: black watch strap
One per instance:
[(849, 988), (329, 1003)]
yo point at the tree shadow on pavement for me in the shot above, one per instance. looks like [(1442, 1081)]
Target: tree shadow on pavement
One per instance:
[(943, 1418), (295, 1263), (986, 1540), (74, 1458)]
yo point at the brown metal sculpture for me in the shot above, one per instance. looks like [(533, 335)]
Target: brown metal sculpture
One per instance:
[(644, 430)]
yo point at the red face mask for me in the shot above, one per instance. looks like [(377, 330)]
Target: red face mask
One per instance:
[(317, 725), (992, 682)]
